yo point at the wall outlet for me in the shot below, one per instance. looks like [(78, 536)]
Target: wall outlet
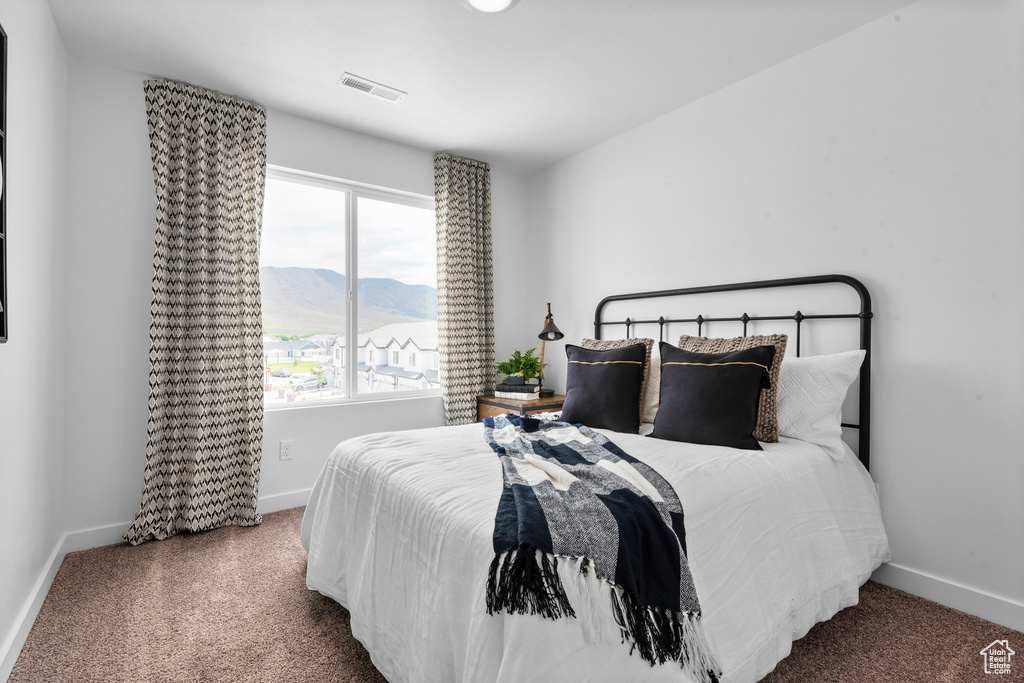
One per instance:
[(286, 449)]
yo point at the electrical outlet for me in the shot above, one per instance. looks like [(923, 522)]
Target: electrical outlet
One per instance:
[(286, 449)]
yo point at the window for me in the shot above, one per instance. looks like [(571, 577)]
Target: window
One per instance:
[(412, 358), (344, 269), (394, 357)]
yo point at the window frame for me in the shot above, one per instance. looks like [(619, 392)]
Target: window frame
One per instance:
[(353, 191)]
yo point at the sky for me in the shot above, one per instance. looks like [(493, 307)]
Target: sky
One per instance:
[(304, 226)]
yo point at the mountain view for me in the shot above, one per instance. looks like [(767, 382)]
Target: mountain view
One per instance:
[(312, 300)]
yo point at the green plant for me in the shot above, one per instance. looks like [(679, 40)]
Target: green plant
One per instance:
[(295, 365), (525, 365)]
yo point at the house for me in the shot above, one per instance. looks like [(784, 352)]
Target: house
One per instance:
[(312, 350), (400, 357), (334, 368), (282, 350), (878, 138), (395, 357)]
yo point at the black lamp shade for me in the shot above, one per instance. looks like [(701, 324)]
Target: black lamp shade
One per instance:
[(550, 331)]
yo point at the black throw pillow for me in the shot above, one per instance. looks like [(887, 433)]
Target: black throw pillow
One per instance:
[(712, 398), (602, 387)]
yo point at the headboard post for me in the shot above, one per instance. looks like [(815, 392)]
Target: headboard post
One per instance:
[(865, 379)]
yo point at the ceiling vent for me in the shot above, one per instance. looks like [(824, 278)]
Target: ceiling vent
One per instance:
[(369, 87)]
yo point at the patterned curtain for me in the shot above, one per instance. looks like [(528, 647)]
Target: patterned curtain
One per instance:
[(206, 353), (465, 300)]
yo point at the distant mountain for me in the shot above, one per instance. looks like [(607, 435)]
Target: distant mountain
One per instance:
[(418, 301), (312, 300)]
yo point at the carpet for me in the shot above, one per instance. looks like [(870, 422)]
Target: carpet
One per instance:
[(232, 605)]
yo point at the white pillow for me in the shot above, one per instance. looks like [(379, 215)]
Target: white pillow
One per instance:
[(811, 395), (652, 395)]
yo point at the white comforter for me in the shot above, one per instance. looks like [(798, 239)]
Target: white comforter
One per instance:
[(398, 530)]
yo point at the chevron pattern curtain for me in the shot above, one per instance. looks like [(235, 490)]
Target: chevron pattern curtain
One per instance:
[(465, 299), (206, 362)]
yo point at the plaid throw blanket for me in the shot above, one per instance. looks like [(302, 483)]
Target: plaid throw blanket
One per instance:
[(570, 492)]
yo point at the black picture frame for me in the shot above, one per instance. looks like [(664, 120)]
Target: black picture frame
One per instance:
[(3, 186)]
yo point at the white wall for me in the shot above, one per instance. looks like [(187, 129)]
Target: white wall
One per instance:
[(111, 238), (893, 154), (32, 362), (111, 206)]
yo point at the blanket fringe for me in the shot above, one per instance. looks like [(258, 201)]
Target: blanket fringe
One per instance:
[(660, 635), (586, 593), (526, 581)]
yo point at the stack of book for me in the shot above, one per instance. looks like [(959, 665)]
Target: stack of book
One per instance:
[(523, 392)]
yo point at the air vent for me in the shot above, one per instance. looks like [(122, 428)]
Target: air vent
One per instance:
[(367, 86)]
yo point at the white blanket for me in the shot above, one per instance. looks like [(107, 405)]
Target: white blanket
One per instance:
[(398, 530)]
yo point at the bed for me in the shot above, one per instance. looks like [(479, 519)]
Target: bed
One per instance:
[(399, 525)]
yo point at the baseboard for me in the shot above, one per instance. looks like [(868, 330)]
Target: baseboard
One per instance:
[(12, 648), (283, 501), (997, 609), (87, 539), (68, 543)]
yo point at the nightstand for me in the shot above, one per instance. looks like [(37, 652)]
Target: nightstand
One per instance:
[(490, 406)]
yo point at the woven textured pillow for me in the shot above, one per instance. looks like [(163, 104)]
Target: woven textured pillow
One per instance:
[(652, 389), (767, 429), (604, 344)]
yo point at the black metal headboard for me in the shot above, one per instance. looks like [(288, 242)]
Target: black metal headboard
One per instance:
[(864, 315)]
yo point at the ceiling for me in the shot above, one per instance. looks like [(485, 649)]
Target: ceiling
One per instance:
[(526, 88)]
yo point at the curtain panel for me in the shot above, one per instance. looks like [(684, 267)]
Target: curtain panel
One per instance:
[(205, 426), (465, 299)]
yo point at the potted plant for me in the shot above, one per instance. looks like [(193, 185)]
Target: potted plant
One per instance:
[(515, 379), (519, 369)]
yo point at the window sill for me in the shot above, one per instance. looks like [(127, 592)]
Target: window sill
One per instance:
[(432, 394)]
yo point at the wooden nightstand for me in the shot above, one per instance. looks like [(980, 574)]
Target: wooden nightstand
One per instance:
[(489, 406)]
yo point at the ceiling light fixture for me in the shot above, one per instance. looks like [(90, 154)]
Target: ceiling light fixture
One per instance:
[(492, 6)]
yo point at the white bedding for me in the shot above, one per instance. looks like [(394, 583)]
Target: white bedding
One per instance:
[(398, 530)]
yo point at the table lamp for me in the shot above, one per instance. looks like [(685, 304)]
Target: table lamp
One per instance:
[(549, 333)]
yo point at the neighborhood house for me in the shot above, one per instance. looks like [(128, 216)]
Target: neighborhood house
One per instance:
[(395, 357)]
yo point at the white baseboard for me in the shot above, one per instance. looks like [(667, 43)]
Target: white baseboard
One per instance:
[(997, 609), (87, 539), (12, 648), (96, 537), (68, 543), (283, 501)]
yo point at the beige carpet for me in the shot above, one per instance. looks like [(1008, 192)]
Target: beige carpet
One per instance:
[(225, 605), (232, 605)]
